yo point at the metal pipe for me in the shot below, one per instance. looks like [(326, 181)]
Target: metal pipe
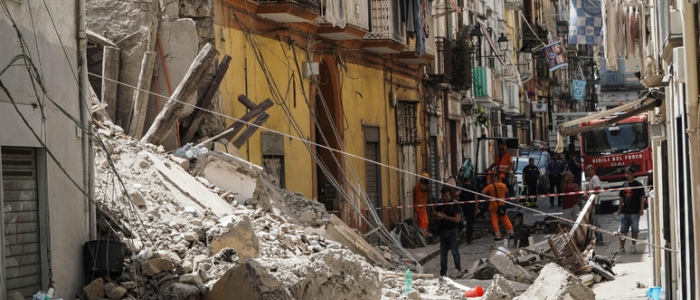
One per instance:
[(688, 11), (85, 119)]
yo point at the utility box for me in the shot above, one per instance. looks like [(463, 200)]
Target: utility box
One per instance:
[(679, 64), (310, 69)]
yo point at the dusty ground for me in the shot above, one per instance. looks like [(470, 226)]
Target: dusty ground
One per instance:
[(631, 268)]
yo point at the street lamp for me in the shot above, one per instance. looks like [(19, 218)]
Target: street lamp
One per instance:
[(476, 35), (503, 43)]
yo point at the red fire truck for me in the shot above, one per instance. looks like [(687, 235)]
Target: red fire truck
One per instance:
[(612, 148)]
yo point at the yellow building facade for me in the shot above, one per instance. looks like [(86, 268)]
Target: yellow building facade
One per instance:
[(327, 95)]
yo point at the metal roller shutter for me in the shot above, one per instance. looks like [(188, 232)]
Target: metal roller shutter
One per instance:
[(21, 221)]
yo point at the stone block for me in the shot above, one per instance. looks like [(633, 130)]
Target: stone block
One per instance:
[(94, 290), (183, 162), (137, 199), (195, 8), (156, 265), (239, 234), (128, 285), (114, 291)]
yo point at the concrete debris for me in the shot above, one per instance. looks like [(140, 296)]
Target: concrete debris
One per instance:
[(500, 288), (558, 283), (95, 290), (331, 274), (186, 239)]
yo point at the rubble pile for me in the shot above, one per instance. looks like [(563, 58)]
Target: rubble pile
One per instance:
[(190, 239)]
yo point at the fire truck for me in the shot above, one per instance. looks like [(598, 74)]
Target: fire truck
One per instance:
[(612, 148)]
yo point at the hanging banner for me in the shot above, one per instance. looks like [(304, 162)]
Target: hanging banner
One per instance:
[(556, 58), (585, 22), (579, 89)]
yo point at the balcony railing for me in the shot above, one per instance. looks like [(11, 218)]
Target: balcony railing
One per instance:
[(442, 65), (357, 13), (385, 20), (312, 5)]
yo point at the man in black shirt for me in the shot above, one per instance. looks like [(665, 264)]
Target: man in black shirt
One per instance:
[(531, 175), (574, 165), (448, 217), (630, 209), (469, 209)]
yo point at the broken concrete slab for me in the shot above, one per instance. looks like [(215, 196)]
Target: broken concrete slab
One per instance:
[(556, 282), (338, 231), (229, 172), (236, 233), (196, 194), (500, 288), (333, 274)]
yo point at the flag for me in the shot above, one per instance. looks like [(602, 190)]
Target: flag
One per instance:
[(585, 22), (579, 89), (555, 55)]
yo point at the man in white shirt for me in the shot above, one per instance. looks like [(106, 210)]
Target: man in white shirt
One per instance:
[(594, 184)]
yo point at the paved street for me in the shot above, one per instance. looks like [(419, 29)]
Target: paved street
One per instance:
[(630, 268)]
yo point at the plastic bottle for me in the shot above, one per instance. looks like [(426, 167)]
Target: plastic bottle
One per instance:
[(409, 281)]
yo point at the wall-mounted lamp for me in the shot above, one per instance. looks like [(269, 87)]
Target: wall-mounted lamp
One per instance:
[(503, 43), (476, 35)]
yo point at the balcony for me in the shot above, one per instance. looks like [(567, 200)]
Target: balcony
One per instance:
[(349, 22), (440, 70), (290, 11), (409, 55), (612, 78), (484, 88), (386, 35)]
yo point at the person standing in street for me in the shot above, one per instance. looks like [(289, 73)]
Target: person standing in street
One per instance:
[(448, 217), (630, 209), (420, 200), (594, 184), (554, 170), (497, 209), (570, 203), (531, 176), (502, 162), (469, 209), (574, 165)]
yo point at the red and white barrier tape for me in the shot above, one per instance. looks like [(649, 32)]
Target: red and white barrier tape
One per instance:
[(501, 199)]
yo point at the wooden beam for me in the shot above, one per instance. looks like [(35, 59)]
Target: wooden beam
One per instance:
[(206, 101), (175, 107), (110, 77), (250, 130), (247, 102), (141, 95), (238, 125)]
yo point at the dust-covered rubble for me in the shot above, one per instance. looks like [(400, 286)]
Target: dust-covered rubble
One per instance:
[(176, 244)]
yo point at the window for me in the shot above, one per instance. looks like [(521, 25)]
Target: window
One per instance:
[(273, 157), (407, 122)]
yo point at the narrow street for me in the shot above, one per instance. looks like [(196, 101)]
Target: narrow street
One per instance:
[(629, 268)]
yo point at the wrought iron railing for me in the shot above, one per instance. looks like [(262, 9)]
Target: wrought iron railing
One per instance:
[(385, 21), (313, 5), (357, 13), (442, 64)]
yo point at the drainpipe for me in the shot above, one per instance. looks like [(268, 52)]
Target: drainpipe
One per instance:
[(85, 119), (691, 91)]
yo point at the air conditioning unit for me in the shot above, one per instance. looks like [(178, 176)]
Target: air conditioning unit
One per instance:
[(679, 64), (676, 22)]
